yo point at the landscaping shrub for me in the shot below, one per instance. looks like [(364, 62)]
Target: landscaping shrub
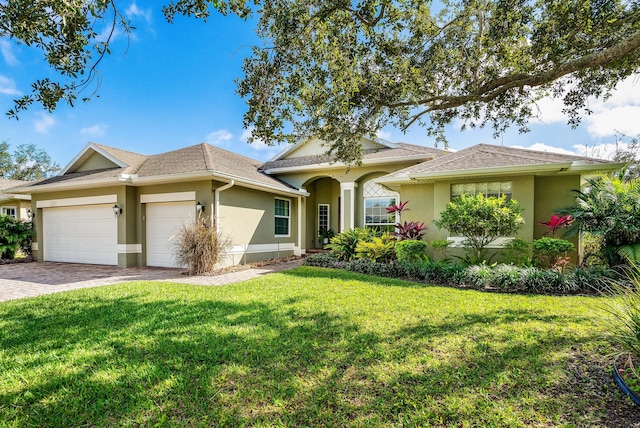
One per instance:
[(506, 277), (411, 250), (477, 276), (199, 247), (551, 252), (378, 249), (321, 260), (481, 220), (343, 245), (407, 230), (14, 235)]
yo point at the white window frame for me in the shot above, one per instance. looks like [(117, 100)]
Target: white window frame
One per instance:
[(15, 211), (328, 217), (288, 217), (395, 199)]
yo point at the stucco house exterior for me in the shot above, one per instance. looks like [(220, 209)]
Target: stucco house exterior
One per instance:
[(111, 206), (11, 204)]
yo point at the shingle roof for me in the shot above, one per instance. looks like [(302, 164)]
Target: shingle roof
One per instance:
[(402, 150), (6, 185), (199, 158), (489, 156)]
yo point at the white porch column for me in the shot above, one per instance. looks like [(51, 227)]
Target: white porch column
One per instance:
[(348, 205)]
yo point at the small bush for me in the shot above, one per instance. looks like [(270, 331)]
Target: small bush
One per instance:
[(14, 235), (507, 277), (477, 276), (321, 260), (549, 252), (378, 249), (343, 245), (199, 247), (411, 250)]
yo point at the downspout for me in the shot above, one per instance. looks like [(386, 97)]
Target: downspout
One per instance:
[(217, 201)]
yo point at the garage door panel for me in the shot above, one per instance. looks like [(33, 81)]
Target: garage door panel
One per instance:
[(80, 234), (164, 221)]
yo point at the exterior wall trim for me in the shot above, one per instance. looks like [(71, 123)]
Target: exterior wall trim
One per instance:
[(70, 202), (168, 197), (129, 248), (261, 248)]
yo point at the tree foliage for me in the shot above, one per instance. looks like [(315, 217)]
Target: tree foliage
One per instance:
[(609, 207), (26, 163), (481, 220), (342, 69)]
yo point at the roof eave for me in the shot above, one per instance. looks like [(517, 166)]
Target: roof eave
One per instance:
[(96, 149), (337, 165)]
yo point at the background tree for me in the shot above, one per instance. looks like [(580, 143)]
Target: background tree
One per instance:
[(481, 220), (342, 69), (27, 163)]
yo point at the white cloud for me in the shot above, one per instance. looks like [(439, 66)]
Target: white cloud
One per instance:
[(600, 151), (44, 124), (617, 114), (6, 49), (541, 147), (258, 145), (97, 130), (133, 11), (218, 137), (384, 135), (8, 86)]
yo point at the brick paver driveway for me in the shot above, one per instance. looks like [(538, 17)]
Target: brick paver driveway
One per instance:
[(33, 279)]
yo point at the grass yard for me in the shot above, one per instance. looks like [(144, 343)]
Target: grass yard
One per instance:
[(308, 347)]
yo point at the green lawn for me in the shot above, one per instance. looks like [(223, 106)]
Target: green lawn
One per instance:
[(306, 347)]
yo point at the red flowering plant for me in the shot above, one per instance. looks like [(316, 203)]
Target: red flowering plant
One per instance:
[(406, 230), (557, 222)]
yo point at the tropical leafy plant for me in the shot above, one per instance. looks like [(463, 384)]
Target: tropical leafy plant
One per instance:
[(378, 249), (343, 245), (557, 222), (481, 220), (609, 207), (407, 230)]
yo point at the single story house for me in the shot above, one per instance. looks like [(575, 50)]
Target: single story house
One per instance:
[(11, 204), (111, 206)]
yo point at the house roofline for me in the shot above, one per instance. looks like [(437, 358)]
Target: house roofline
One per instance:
[(559, 168), (302, 141), (97, 149), (338, 165), (134, 180)]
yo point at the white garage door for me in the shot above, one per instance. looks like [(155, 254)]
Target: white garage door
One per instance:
[(80, 234), (164, 220)]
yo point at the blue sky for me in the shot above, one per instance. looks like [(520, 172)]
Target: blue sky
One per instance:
[(172, 85)]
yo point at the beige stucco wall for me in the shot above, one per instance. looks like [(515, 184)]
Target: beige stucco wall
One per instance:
[(428, 200), (247, 217), (552, 194), (96, 162)]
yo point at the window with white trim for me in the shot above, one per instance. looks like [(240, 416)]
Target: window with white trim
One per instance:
[(376, 201), (282, 217), (323, 217), (10, 211), (494, 188)]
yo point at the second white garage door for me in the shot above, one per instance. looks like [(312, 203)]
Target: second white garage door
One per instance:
[(80, 234), (164, 220)]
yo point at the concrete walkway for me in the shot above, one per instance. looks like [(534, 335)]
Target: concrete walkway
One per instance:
[(33, 279)]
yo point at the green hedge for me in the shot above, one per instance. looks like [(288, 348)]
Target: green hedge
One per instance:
[(501, 277)]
